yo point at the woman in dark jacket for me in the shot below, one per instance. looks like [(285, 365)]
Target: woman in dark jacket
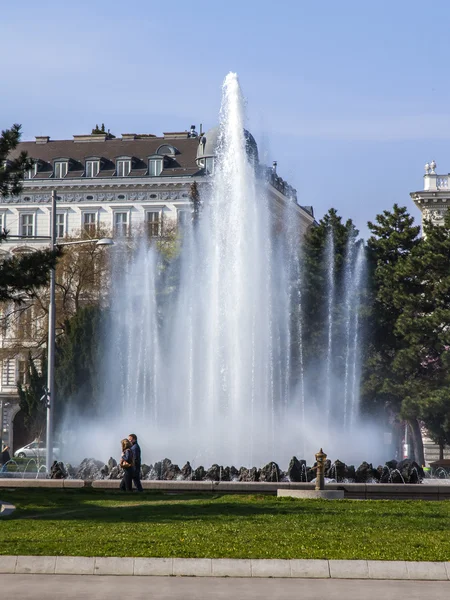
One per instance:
[(126, 462)]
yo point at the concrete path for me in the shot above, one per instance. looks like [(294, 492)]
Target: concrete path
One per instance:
[(68, 587)]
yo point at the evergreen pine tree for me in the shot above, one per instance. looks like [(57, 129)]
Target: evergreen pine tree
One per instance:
[(422, 364), (394, 237)]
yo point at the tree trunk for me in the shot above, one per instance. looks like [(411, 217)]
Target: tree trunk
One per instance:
[(417, 442), (441, 450)]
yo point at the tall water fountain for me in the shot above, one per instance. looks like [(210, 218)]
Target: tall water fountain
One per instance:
[(205, 358)]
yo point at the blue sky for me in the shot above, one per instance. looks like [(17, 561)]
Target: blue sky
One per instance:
[(351, 98)]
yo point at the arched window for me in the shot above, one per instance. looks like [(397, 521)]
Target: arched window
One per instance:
[(167, 149)]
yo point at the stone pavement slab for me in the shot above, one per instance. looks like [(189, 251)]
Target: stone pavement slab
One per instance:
[(113, 565), (36, 564), (192, 567), (387, 569), (8, 564), (349, 569), (153, 566), (433, 571), (310, 568), (231, 567), (75, 565), (270, 567)]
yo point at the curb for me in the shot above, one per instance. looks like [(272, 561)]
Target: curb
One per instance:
[(226, 567), (352, 491)]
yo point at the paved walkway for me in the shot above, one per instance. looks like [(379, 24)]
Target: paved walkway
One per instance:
[(68, 587)]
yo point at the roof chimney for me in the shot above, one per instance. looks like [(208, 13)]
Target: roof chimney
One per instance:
[(42, 139), (193, 133)]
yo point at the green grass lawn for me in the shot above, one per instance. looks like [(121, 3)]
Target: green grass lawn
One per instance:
[(105, 523)]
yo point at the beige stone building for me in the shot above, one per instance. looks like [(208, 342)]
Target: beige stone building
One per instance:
[(116, 184)]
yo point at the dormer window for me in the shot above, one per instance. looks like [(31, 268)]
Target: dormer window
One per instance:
[(92, 168), (123, 167), (33, 171), (60, 168), (155, 166), (167, 149)]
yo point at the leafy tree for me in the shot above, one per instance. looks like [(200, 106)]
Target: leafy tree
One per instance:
[(78, 356), (31, 399)]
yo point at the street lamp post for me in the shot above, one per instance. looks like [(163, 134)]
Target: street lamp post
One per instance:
[(51, 343)]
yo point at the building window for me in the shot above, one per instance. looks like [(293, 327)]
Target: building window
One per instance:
[(153, 223), (31, 172), (209, 165), (60, 225), (123, 168), (23, 373), (121, 223), (92, 168), (155, 167), (8, 372), (60, 169), (90, 223), (26, 225), (24, 323), (182, 218)]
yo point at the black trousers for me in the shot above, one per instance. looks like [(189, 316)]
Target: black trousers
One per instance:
[(137, 478), (126, 484)]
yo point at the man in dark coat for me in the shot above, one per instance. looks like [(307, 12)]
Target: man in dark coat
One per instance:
[(136, 450)]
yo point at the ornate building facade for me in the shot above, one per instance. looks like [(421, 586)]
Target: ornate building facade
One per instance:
[(118, 185), (434, 200)]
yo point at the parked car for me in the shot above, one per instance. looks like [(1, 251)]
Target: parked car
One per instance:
[(34, 450)]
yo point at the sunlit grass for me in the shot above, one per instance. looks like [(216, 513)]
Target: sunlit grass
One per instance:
[(97, 523)]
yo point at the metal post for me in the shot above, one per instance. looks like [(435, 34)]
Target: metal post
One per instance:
[(51, 344), (1, 425)]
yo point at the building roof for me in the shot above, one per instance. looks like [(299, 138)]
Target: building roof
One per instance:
[(182, 163)]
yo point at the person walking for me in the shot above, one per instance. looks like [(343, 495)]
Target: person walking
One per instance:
[(6, 457), (126, 462), (136, 450)]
